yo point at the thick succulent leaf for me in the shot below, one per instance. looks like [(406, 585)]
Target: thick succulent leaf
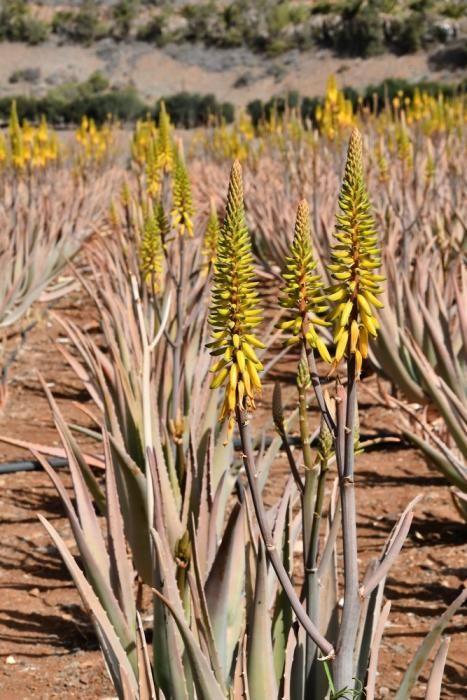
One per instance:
[(433, 689), (224, 589), (204, 612), (392, 548), (422, 653), (97, 572), (260, 657), (439, 460), (111, 645), (73, 451), (121, 571), (204, 679), (375, 647), (132, 494), (282, 616), (168, 666), (147, 690)]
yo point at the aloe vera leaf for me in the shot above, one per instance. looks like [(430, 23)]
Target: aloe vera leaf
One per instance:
[(422, 653)]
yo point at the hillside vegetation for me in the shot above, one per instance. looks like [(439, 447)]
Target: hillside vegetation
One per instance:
[(348, 27)]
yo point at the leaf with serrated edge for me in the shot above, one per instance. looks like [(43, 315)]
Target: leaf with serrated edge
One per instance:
[(111, 645)]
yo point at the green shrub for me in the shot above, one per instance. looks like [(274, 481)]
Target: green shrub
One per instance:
[(454, 9), (153, 30), (189, 110), (406, 36), (83, 26), (17, 24), (124, 105), (124, 13), (200, 18), (360, 32)]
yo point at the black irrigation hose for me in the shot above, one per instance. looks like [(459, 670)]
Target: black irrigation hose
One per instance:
[(57, 462), (31, 465)]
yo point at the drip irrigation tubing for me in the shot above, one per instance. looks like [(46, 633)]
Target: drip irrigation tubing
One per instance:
[(32, 465)]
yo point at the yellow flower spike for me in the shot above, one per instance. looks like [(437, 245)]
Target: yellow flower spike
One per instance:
[(165, 148), (182, 201), (354, 258), (303, 291), (151, 253), (234, 311), (209, 249)]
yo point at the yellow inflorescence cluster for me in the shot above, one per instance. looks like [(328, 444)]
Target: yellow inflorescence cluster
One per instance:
[(95, 144), (211, 237), (336, 113), (182, 200), (303, 294), (153, 151), (355, 258), (234, 309), (151, 251), (26, 147), (400, 122)]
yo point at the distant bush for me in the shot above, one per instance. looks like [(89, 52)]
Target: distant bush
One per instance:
[(258, 110), (359, 32), (153, 30), (123, 105), (124, 13), (83, 26), (27, 75), (67, 103), (406, 35), (17, 24), (189, 110)]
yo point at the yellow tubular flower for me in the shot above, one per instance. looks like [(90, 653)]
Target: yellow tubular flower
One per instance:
[(355, 257), (234, 309), (303, 294), (182, 202)]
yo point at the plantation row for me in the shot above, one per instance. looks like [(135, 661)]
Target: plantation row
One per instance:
[(177, 241), (67, 104)]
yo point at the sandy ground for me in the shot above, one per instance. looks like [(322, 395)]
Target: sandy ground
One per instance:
[(236, 75)]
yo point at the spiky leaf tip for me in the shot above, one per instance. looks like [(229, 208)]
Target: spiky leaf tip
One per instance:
[(303, 294), (235, 311), (355, 258)]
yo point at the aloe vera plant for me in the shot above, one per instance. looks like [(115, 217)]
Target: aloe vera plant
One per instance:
[(228, 618)]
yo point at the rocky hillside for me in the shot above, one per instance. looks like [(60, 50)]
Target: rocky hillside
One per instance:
[(238, 50)]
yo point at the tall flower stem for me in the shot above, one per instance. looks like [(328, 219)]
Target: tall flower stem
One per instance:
[(177, 365), (346, 410), (281, 573), (311, 564)]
